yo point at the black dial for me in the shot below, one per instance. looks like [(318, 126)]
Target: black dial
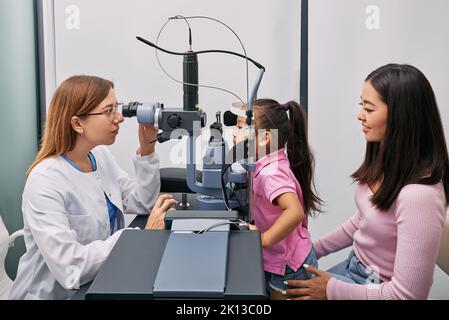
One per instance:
[(173, 121)]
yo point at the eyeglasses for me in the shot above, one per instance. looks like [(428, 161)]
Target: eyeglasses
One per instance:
[(241, 129), (110, 112)]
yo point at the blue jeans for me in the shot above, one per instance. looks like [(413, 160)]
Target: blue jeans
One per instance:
[(276, 282), (352, 270)]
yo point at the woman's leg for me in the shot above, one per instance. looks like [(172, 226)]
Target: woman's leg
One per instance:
[(341, 270)]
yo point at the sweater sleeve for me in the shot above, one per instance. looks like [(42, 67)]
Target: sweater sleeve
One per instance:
[(419, 216), (337, 239)]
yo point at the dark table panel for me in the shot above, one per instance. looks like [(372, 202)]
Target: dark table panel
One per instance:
[(131, 269)]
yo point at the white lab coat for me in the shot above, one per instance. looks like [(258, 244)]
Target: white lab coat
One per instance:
[(66, 221)]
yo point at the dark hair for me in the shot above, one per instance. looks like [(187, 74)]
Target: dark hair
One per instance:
[(414, 148), (292, 130)]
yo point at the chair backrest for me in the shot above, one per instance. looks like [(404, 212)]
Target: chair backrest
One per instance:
[(6, 241), (5, 281), (443, 255)]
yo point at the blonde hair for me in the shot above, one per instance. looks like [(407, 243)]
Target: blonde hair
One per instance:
[(76, 95)]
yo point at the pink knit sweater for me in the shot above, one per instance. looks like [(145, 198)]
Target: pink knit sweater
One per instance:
[(401, 244)]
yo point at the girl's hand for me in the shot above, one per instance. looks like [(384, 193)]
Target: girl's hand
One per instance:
[(147, 139), (156, 220), (252, 227), (313, 289)]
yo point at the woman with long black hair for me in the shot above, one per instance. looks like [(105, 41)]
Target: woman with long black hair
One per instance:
[(401, 197)]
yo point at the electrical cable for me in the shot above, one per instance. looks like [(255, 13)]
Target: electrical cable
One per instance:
[(204, 51)]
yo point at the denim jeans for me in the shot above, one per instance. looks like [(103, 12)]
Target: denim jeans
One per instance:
[(352, 270), (276, 282)]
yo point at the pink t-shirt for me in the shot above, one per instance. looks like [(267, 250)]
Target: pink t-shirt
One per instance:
[(272, 178), (400, 244)]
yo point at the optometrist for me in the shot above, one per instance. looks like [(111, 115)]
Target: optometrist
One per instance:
[(76, 194)]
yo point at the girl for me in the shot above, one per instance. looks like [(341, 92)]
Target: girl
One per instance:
[(283, 195)]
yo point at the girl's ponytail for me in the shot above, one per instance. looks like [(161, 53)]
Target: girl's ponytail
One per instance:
[(292, 130), (300, 157)]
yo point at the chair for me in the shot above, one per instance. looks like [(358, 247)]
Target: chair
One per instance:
[(6, 241), (443, 255)]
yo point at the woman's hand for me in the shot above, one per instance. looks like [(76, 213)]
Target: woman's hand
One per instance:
[(313, 289), (156, 220), (147, 137), (252, 227)]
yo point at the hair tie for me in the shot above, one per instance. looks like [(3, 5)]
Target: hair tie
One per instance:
[(285, 106)]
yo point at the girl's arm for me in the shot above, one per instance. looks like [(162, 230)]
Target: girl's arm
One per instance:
[(291, 216)]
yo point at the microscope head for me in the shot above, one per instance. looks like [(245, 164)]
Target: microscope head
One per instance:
[(237, 109)]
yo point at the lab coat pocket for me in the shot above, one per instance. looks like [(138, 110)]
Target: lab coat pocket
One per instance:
[(85, 227)]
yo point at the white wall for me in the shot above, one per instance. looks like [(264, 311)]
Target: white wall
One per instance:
[(343, 51), (105, 45)]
